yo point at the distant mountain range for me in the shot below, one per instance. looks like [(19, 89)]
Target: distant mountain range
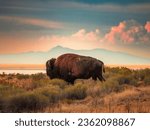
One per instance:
[(107, 56)]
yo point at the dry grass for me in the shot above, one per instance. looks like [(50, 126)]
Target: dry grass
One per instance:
[(128, 101), (124, 91)]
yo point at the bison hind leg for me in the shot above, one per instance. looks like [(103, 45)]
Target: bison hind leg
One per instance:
[(101, 78)]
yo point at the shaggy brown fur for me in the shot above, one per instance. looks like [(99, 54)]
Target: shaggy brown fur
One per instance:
[(72, 66)]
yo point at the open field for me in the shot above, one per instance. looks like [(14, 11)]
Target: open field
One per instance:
[(125, 90)]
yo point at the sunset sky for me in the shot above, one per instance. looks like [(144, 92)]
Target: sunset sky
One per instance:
[(39, 25)]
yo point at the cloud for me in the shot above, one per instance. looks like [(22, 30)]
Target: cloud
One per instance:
[(128, 32), (128, 36), (78, 40), (147, 26), (33, 21), (92, 36)]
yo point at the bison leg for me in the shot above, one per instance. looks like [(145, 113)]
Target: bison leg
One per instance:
[(94, 77), (71, 80), (101, 78)]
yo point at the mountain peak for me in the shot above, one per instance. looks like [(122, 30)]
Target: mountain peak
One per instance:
[(58, 47), (107, 56)]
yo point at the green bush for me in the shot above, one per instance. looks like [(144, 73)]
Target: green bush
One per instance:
[(58, 82), (141, 74), (111, 85), (1, 104), (78, 91), (126, 79), (147, 80), (22, 76), (38, 76), (26, 102), (53, 93), (39, 83), (7, 90)]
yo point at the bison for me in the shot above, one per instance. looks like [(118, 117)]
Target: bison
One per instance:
[(70, 67)]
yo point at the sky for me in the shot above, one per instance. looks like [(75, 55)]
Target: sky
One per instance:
[(39, 25)]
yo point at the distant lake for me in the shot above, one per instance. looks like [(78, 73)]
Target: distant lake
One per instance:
[(24, 71)]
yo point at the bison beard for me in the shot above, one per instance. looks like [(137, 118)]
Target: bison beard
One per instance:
[(70, 67)]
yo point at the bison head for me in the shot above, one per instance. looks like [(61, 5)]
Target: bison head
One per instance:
[(50, 68)]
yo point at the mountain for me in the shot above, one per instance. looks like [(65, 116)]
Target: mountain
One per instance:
[(107, 56)]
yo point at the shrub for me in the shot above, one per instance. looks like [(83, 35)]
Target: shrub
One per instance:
[(111, 72), (147, 80), (52, 93), (7, 90), (22, 76), (141, 74), (125, 71), (78, 91), (1, 104), (126, 79), (94, 91), (111, 85), (58, 82), (33, 84), (26, 102), (38, 76)]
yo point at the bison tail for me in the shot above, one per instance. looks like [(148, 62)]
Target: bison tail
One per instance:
[(103, 68)]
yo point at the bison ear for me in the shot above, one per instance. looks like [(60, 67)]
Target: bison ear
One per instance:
[(51, 63)]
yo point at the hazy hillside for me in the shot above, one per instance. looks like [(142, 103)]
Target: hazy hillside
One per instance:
[(109, 57)]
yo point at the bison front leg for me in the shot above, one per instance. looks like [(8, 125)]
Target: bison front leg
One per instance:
[(71, 79), (94, 78)]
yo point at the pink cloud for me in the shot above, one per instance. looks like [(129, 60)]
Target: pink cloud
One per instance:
[(125, 33), (33, 21), (147, 27), (128, 32)]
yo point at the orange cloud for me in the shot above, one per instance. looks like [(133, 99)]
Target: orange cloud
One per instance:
[(33, 21), (147, 26)]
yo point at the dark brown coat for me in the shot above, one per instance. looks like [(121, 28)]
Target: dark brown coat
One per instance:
[(72, 66)]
